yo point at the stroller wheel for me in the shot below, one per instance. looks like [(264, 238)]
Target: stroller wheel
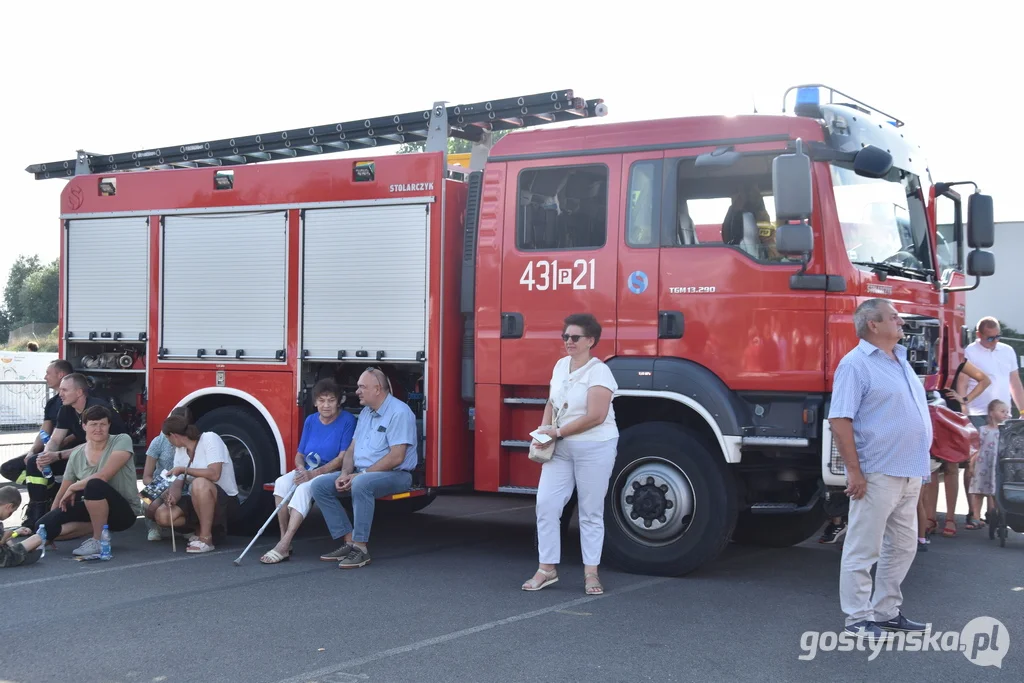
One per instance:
[(1002, 536)]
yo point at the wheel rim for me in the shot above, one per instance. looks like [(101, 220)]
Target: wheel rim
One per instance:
[(654, 501), (244, 463)]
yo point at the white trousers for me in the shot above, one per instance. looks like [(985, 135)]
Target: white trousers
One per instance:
[(302, 499), (587, 465), (882, 528)]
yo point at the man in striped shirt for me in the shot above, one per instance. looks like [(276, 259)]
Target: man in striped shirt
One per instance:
[(882, 428)]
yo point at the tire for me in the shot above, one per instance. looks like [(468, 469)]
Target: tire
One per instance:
[(251, 447), (683, 480), (779, 531)]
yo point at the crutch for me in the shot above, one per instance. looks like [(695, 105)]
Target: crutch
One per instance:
[(284, 501)]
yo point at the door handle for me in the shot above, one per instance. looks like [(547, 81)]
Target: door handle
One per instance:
[(511, 325), (670, 325)]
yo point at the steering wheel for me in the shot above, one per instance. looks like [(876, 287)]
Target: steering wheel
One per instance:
[(904, 257)]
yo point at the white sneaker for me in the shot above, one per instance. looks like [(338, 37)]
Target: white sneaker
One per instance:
[(90, 547), (154, 535)]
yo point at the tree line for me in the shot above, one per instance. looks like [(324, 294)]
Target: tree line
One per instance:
[(30, 295)]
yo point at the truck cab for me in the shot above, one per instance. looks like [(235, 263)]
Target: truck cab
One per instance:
[(724, 257)]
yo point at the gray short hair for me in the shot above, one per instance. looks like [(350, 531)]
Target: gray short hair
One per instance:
[(381, 378), (867, 312)]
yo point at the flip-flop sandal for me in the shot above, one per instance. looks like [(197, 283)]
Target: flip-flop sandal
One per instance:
[(973, 524), (550, 576), (594, 588), (273, 557), (947, 532)]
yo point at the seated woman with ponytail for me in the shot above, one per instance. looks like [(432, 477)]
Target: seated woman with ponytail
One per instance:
[(206, 493)]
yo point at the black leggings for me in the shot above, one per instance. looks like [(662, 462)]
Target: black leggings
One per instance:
[(120, 517)]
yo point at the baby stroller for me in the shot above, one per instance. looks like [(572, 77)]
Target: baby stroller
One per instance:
[(1009, 482)]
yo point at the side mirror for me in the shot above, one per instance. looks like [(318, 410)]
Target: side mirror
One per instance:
[(872, 162), (794, 239), (981, 227), (791, 185), (981, 263)]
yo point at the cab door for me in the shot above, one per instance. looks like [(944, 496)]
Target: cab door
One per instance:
[(641, 211), (560, 241)]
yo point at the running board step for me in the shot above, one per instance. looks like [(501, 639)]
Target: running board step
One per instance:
[(525, 490), (515, 443), (526, 401)]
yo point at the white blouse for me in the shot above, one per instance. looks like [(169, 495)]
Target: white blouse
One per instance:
[(569, 397)]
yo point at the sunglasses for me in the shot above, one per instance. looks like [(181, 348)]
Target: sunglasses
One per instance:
[(992, 339), (574, 337)]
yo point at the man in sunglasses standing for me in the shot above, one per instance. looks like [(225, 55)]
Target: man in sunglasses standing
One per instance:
[(999, 362)]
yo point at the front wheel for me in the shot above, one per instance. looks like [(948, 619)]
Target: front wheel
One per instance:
[(251, 448), (671, 504)]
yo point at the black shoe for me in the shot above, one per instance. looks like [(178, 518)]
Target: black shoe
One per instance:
[(901, 623), (922, 547), (832, 533), (866, 630)]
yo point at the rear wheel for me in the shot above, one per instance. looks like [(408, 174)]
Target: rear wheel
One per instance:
[(671, 504), (251, 447)]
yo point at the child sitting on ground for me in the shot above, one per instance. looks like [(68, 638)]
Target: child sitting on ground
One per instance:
[(13, 553), (983, 483)]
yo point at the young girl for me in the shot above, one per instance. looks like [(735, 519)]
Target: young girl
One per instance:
[(983, 483), (160, 457)]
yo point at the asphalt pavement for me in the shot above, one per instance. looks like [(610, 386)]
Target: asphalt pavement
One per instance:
[(441, 602)]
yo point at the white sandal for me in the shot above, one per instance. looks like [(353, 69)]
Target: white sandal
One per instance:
[(551, 576), (198, 546)]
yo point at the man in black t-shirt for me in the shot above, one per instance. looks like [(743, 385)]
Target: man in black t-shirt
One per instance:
[(74, 396), (15, 469)]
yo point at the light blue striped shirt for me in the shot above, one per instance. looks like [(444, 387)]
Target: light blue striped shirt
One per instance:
[(892, 427)]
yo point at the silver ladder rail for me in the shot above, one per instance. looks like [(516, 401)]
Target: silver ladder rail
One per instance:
[(473, 122)]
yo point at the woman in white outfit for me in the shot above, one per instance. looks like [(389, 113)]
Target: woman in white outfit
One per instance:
[(580, 418)]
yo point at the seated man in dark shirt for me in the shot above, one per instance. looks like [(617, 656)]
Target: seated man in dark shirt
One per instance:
[(16, 469), (74, 395)]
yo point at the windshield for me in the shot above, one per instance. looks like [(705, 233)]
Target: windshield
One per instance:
[(882, 220)]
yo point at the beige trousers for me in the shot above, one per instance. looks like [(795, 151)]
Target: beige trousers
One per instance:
[(882, 529)]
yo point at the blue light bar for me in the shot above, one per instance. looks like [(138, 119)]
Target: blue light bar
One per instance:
[(808, 103)]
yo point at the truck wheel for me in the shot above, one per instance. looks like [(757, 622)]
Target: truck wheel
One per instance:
[(251, 447), (671, 504), (779, 531)]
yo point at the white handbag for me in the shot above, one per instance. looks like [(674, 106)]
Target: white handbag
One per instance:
[(544, 453)]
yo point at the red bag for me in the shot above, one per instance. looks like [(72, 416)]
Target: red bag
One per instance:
[(955, 438)]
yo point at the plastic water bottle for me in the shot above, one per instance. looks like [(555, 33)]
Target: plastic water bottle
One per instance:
[(41, 532), (45, 438), (105, 544)]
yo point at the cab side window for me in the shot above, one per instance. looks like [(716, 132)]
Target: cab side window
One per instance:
[(562, 207), (731, 206), (643, 202)]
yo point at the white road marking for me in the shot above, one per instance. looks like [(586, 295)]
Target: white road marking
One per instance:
[(439, 640)]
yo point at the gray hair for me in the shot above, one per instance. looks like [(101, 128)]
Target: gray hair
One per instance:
[(868, 312), (382, 379)]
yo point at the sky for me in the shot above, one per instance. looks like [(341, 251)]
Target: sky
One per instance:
[(117, 76)]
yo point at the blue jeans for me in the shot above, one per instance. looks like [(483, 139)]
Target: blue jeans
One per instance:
[(366, 488)]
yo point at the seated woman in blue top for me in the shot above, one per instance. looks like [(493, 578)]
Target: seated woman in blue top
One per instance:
[(326, 435)]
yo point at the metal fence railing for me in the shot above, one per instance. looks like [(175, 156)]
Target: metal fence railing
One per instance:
[(21, 404)]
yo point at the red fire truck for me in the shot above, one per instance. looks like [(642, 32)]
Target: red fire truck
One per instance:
[(723, 256)]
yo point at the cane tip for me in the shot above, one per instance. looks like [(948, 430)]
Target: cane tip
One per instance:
[(236, 563)]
